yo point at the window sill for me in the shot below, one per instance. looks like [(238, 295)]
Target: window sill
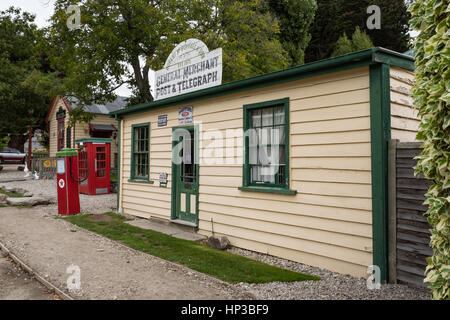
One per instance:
[(268, 190), (141, 181)]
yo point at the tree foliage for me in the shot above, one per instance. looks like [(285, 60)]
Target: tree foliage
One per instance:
[(26, 80), (432, 98), (115, 34), (360, 41), (295, 18), (333, 18)]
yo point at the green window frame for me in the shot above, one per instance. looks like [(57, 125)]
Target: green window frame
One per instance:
[(266, 135), (140, 153)]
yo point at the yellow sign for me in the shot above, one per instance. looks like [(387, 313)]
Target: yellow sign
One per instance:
[(47, 163)]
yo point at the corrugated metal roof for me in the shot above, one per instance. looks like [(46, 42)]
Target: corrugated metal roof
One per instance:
[(117, 104)]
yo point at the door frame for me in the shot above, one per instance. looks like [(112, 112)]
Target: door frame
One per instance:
[(174, 205)]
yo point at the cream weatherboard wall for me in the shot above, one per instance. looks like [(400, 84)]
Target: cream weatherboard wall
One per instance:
[(53, 126), (404, 119), (80, 131), (328, 223)]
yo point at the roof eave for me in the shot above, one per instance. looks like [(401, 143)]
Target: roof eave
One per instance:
[(356, 59)]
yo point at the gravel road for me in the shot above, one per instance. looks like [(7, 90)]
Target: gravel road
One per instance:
[(108, 270), (89, 204), (332, 286)]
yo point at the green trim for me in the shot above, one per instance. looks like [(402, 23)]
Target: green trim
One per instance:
[(95, 140), (246, 183), (345, 62), (133, 178), (380, 122), (118, 162), (141, 181), (394, 61), (67, 152), (268, 190)]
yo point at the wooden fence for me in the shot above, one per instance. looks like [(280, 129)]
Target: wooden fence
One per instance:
[(409, 233), (45, 167)]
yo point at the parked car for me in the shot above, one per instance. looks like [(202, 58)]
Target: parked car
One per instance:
[(11, 155)]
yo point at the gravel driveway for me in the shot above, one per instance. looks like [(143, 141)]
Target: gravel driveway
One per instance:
[(332, 286), (89, 204)]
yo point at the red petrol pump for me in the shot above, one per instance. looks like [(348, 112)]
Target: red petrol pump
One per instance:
[(96, 154), (67, 182)]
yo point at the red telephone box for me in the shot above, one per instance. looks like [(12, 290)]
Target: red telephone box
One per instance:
[(67, 182), (97, 169)]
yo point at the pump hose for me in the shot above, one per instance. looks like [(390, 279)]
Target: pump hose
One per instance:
[(87, 167)]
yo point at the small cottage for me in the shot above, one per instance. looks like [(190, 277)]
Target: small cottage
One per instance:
[(291, 163), (102, 126)]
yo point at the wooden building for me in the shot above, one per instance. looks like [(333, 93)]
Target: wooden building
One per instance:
[(326, 202), (102, 126)]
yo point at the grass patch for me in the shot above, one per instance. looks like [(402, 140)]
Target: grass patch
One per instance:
[(11, 194), (220, 264)]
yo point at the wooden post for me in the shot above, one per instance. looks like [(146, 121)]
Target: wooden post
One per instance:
[(30, 137), (392, 215)]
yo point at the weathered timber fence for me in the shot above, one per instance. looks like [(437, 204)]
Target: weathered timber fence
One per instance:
[(409, 233), (45, 167)]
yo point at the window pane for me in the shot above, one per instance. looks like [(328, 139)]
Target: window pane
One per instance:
[(278, 136), (267, 116), (256, 118), (265, 136), (279, 115)]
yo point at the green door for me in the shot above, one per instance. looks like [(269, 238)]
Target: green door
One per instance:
[(185, 174)]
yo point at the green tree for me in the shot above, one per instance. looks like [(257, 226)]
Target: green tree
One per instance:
[(360, 41), (247, 35), (295, 18), (115, 34), (26, 81), (333, 18), (432, 97)]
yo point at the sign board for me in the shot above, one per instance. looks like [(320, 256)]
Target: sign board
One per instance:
[(163, 179), (162, 120), (189, 67), (185, 115)]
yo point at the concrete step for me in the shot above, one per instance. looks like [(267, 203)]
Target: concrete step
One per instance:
[(176, 230)]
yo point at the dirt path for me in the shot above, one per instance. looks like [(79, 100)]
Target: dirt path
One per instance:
[(108, 270), (16, 284)]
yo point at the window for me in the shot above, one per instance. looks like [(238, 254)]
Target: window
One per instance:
[(140, 152), (266, 154), (60, 134), (68, 137)]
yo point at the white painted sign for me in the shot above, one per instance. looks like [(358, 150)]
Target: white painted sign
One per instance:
[(189, 67), (61, 183), (185, 115)]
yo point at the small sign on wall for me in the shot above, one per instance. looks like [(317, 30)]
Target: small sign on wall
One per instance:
[(185, 115), (163, 179), (162, 120)]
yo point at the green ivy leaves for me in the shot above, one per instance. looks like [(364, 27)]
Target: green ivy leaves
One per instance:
[(431, 96)]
